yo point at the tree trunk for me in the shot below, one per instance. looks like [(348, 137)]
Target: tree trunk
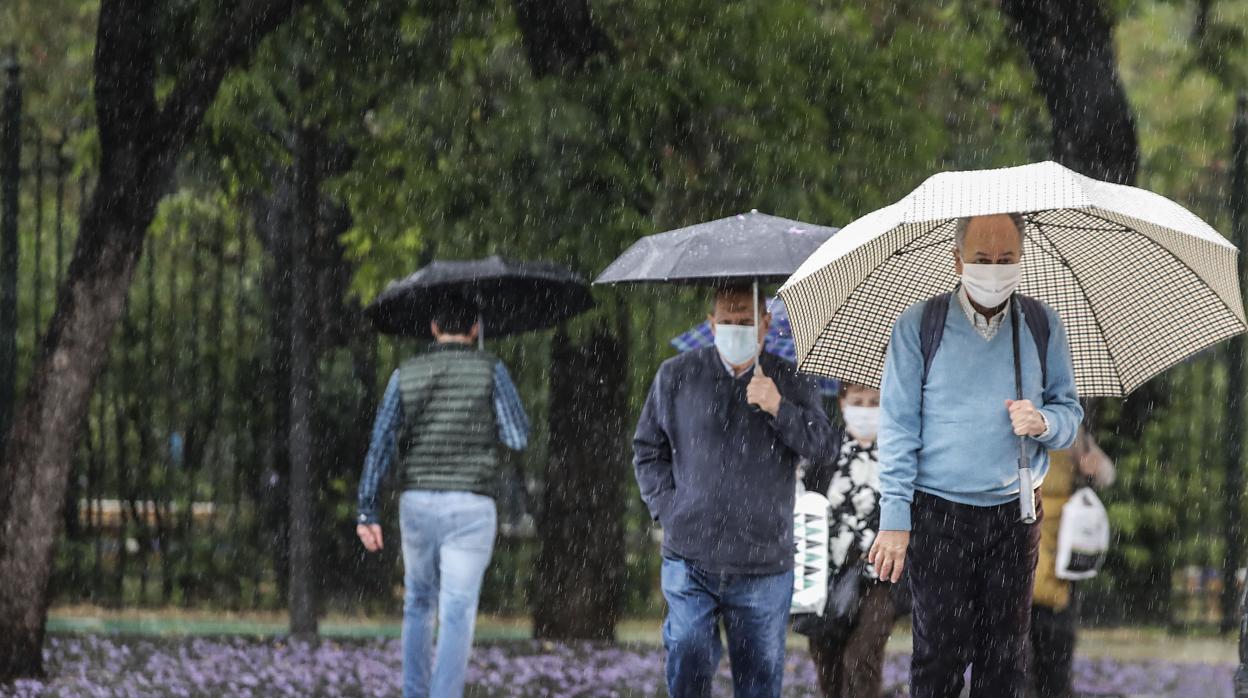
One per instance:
[(140, 143), (1233, 487), (559, 35), (10, 174), (303, 345), (1070, 44), (580, 566), (40, 450)]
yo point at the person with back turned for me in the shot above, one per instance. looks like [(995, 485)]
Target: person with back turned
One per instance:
[(443, 411)]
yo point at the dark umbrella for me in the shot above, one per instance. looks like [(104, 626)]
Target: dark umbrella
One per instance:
[(513, 296), (748, 247)]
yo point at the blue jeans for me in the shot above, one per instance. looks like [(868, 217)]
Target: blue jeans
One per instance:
[(448, 538), (755, 614)]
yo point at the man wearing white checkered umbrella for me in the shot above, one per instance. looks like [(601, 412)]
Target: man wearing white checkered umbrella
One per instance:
[(979, 380)]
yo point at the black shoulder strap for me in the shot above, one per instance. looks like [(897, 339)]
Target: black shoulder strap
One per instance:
[(1038, 323), (932, 328)]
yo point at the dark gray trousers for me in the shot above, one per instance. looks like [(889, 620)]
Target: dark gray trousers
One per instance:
[(971, 572)]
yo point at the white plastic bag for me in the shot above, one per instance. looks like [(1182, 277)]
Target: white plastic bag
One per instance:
[(810, 556), (1083, 538)]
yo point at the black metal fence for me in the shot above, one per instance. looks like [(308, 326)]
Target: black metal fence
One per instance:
[(178, 494)]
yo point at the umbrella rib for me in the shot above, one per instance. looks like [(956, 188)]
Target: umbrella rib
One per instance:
[(1091, 308), (1112, 225), (921, 248)]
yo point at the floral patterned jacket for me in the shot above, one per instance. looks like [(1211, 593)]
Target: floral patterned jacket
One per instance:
[(852, 486)]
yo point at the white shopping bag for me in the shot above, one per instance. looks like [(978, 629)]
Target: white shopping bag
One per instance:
[(1083, 538), (810, 557)]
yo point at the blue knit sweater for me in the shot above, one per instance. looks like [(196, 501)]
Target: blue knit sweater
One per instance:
[(953, 438)]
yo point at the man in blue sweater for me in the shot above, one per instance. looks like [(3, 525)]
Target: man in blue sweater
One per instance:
[(716, 452), (949, 449)]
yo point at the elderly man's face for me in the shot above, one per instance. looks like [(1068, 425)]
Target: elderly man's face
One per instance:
[(990, 240), (738, 309)]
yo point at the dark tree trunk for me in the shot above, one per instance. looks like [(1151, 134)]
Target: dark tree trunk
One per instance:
[(303, 348), (140, 143), (1070, 44), (559, 35), (10, 174), (580, 567), (40, 451), (1233, 487)]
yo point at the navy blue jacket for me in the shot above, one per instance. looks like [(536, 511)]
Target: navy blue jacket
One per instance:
[(720, 476)]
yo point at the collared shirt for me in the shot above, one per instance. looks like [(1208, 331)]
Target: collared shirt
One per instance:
[(513, 431), (985, 326), (732, 370)]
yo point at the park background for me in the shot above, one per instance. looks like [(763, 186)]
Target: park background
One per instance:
[(214, 472)]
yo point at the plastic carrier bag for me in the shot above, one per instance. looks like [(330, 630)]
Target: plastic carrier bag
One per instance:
[(810, 557), (1083, 539)]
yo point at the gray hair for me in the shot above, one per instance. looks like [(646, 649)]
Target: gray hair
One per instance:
[(959, 234)]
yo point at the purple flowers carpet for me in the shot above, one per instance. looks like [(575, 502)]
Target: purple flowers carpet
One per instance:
[(96, 665)]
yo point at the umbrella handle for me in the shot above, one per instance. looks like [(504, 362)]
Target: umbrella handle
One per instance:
[(758, 350), (1026, 494), (480, 333), (1026, 490)]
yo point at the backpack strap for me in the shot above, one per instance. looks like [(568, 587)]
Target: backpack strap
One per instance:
[(1037, 320), (932, 328)]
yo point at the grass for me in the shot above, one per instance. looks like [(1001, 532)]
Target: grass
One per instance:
[(1124, 644)]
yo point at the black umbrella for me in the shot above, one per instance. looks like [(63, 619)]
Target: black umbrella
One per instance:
[(748, 247), (513, 296)]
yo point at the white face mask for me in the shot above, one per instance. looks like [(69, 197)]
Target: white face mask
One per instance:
[(991, 284), (863, 423), (736, 343)]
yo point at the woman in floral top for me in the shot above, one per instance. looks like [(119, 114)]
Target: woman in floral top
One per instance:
[(850, 660)]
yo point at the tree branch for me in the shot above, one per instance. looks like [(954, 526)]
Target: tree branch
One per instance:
[(232, 45)]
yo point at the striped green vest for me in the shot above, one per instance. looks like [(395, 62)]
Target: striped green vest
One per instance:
[(449, 431)]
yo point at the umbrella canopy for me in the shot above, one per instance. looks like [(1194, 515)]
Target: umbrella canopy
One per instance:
[(746, 247), (1140, 282), (513, 296), (779, 341)]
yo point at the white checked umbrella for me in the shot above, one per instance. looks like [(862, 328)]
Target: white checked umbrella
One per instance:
[(1140, 282)]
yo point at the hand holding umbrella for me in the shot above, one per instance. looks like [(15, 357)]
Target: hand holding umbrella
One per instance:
[(762, 392), (1025, 418)]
